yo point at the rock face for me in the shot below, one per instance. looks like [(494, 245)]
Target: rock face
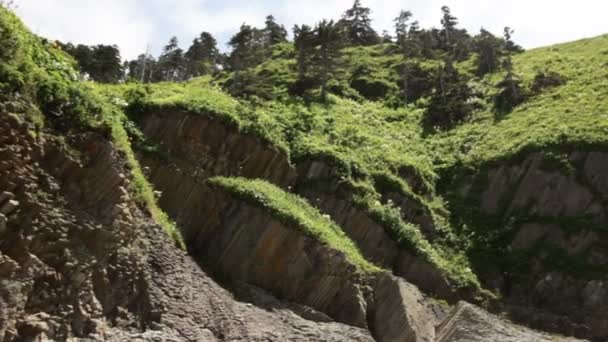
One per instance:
[(216, 147), (80, 259), (243, 244), (377, 245), (556, 215), (246, 244)]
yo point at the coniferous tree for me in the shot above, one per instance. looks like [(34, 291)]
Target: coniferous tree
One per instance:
[(510, 46), (455, 41), (407, 46), (425, 39), (448, 22), (202, 56), (511, 93), (488, 49), (142, 69), (329, 42), (449, 103), (171, 62), (247, 51), (357, 24), (107, 64), (274, 32), (304, 41), (102, 63)]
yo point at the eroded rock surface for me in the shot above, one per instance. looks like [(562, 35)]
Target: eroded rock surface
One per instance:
[(556, 213), (80, 259)]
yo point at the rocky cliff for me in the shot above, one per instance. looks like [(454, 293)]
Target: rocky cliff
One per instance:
[(545, 214), (80, 259)]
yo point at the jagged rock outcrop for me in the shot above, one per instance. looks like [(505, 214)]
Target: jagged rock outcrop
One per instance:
[(555, 212)]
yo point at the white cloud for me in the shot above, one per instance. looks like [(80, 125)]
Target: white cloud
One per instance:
[(89, 22), (132, 24)]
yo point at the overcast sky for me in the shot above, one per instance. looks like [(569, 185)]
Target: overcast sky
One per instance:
[(135, 24)]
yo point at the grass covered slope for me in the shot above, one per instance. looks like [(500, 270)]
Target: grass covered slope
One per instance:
[(568, 116), (38, 81)]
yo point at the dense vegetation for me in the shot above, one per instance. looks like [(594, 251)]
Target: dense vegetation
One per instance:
[(406, 114)]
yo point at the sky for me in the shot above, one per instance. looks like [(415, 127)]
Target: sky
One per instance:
[(135, 25)]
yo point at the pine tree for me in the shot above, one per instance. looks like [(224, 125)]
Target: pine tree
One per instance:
[(202, 56), (449, 103), (101, 63), (107, 64), (488, 49), (247, 51), (357, 24), (402, 27), (448, 22), (329, 41), (408, 47), (274, 32), (425, 39), (510, 46), (171, 62), (304, 40), (511, 93)]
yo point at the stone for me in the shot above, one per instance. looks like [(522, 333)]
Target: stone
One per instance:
[(4, 196), (468, 323), (401, 313), (9, 207)]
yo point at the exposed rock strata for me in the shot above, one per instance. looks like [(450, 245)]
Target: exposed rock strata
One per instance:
[(79, 258), (217, 148), (556, 211), (244, 243)]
